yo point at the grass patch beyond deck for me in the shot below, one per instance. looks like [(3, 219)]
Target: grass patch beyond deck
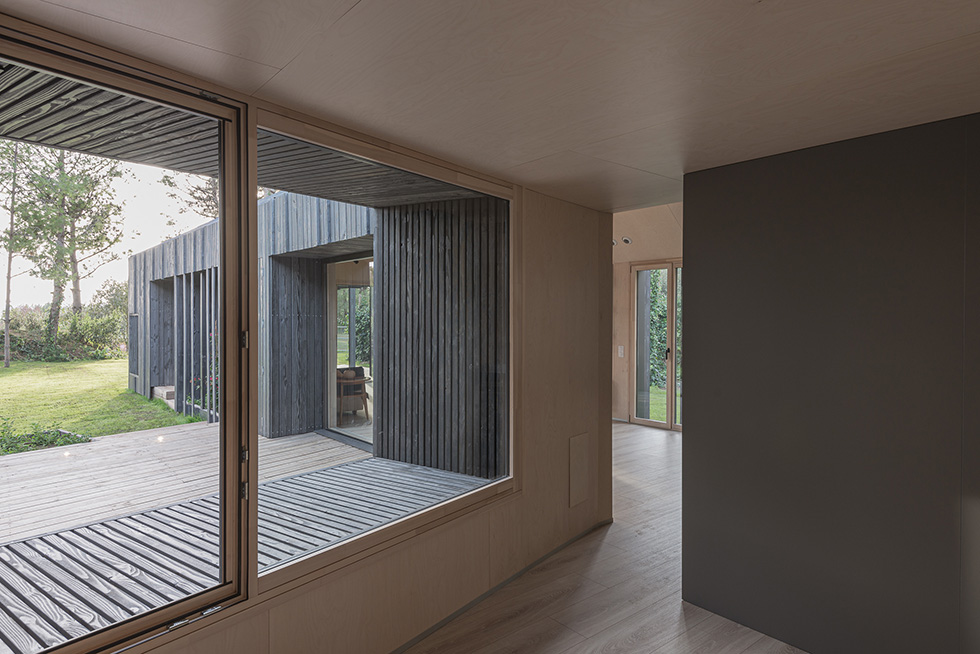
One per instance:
[(86, 397)]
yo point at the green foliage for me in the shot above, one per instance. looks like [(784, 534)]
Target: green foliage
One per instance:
[(66, 223), (111, 299), (658, 327), (96, 332), (362, 326), (67, 208), (38, 438)]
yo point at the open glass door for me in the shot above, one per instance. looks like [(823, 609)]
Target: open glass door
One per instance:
[(657, 361)]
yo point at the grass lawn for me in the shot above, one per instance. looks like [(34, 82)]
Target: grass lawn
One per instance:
[(86, 397), (658, 404)]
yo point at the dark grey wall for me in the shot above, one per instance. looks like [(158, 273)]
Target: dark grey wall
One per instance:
[(441, 335), (970, 610), (161, 332), (824, 430), (293, 352)]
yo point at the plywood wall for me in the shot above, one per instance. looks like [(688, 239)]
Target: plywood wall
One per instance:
[(382, 601)]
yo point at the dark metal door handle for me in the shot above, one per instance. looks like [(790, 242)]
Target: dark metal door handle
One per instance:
[(667, 354)]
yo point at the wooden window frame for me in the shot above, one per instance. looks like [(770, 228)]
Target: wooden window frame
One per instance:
[(38, 49), (42, 48)]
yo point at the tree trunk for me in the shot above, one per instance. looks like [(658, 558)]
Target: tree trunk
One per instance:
[(76, 286), (54, 313), (58, 294), (10, 264)]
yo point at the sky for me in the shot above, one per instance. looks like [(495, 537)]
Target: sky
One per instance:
[(145, 212)]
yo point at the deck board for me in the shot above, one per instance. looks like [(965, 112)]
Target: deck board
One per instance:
[(63, 585), (47, 491)]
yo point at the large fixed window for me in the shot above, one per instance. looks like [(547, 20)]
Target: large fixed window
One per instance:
[(119, 476), (383, 345), (348, 385)]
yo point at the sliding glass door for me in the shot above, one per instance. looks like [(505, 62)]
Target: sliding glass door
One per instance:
[(656, 366)]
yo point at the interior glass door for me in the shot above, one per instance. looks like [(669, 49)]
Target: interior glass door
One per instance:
[(657, 361)]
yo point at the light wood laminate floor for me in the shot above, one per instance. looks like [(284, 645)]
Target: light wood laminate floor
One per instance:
[(616, 590)]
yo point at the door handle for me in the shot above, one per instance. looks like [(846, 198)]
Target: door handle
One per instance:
[(667, 354)]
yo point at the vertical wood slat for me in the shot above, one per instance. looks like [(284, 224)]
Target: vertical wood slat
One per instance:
[(185, 349), (442, 333), (190, 329), (217, 339), (202, 337), (211, 344)]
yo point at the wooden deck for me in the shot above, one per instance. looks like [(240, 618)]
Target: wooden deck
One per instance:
[(54, 489), (63, 585)]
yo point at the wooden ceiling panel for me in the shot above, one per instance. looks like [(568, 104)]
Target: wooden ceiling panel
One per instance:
[(595, 183), (203, 61), (263, 31)]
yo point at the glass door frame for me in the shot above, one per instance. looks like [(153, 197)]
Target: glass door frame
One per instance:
[(62, 58), (671, 266)]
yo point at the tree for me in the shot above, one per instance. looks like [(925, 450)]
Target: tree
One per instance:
[(10, 158), (200, 195), (69, 222), (111, 298)]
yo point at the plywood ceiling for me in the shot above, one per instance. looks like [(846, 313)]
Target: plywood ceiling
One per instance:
[(603, 102)]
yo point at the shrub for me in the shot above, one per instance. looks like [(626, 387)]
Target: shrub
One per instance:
[(98, 332), (38, 439)]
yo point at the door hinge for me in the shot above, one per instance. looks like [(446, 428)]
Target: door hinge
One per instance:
[(243, 492), (244, 455), (179, 623), (244, 340)]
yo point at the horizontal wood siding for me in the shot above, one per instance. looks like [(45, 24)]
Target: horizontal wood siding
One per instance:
[(303, 168), (45, 109), (441, 344), (289, 223)]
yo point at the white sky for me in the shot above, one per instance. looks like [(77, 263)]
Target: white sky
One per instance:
[(145, 212)]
